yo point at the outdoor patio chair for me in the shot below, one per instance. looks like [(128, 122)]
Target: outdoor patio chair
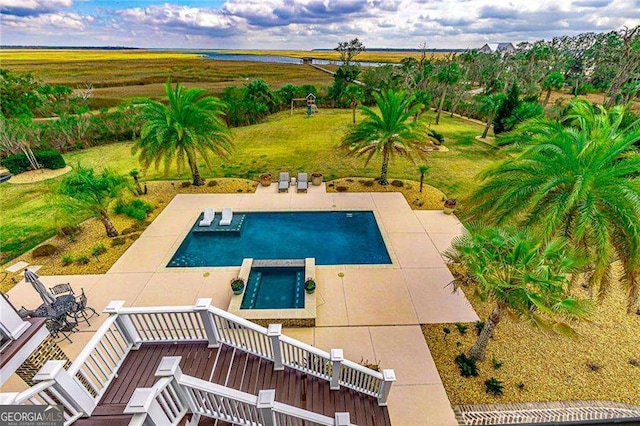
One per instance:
[(80, 308), (61, 289), (227, 216), (303, 182), (283, 182), (57, 328), (207, 218)]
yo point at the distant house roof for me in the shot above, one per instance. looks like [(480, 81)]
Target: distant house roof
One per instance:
[(497, 47)]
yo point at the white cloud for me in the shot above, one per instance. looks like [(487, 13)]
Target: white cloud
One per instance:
[(306, 24)]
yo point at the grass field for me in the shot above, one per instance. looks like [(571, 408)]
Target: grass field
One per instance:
[(284, 142), (117, 75)]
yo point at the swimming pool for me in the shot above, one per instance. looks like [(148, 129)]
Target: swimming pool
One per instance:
[(274, 288), (332, 238)]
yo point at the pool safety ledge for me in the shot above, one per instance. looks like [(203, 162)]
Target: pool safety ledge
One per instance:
[(302, 317)]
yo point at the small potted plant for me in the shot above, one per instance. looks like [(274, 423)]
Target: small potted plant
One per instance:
[(310, 285), (450, 205), (265, 179), (316, 179), (237, 285)]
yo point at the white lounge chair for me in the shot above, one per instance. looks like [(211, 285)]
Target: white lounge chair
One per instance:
[(303, 182), (207, 219), (283, 182), (227, 216)]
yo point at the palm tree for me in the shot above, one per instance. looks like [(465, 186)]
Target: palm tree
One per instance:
[(190, 125), (423, 168), (135, 174), (389, 133), (354, 93), (553, 81), (93, 193), (447, 75), (521, 276), (580, 181), (489, 105)]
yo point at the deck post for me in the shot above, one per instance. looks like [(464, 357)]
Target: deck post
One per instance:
[(266, 398), (202, 306), (342, 419), (388, 377), (70, 389), (337, 356), (274, 331), (124, 322), (143, 401)]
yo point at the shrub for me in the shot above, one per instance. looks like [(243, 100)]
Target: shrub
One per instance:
[(397, 183), (67, 260), (437, 136), (135, 209), (98, 249), (375, 366), (494, 386), (69, 230), (594, 366), (50, 159), (82, 260), (212, 183), (118, 241), (462, 328), (479, 325), (368, 183), (349, 180), (44, 250), (19, 163), (497, 365), (185, 184), (635, 362), (341, 188), (467, 365), (446, 331)]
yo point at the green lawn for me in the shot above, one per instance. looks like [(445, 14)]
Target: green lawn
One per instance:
[(283, 143)]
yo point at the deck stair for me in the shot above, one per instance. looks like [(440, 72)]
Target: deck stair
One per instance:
[(202, 365)]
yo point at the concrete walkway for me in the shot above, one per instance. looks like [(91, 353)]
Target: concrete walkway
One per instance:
[(373, 312)]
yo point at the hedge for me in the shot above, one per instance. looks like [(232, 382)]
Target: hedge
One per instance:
[(49, 159)]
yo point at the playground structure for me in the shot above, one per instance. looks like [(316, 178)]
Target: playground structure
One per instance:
[(310, 101)]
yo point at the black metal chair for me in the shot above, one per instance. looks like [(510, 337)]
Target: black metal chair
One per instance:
[(62, 289), (80, 308), (64, 328)]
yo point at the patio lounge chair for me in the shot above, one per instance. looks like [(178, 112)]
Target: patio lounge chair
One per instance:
[(207, 219), (283, 182), (303, 182), (227, 216)]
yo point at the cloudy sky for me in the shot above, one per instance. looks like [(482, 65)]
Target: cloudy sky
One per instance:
[(303, 24)]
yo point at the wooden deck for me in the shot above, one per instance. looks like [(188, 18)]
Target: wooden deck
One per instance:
[(236, 369)]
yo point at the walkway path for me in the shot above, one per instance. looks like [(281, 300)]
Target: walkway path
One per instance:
[(373, 312)]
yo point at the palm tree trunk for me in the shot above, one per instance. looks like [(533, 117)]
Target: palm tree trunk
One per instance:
[(444, 94), (138, 187), (479, 349), (108, 226), (488, 125), (353, 109), (546, 98), (195, 173), (385, 166), (421, 180)]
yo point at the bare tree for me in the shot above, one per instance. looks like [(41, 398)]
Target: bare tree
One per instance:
[(629, 62), (17, 136), (349, 50)]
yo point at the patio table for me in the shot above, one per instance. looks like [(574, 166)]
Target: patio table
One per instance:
[(57, 310)]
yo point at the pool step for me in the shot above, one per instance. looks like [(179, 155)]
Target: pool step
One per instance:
[(234, 227)]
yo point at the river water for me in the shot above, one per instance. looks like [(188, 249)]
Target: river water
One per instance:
[(277, 59)]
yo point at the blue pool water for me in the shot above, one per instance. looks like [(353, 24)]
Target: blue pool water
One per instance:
[(274, 288), (333, 238)]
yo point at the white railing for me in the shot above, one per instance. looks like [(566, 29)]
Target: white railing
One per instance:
[(176, 394), (80, 388), (206, 322), (45, 393), (98, 363)]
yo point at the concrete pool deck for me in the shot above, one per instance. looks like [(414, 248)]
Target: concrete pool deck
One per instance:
[(372, 312)]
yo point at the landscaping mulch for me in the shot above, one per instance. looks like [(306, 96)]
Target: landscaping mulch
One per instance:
[(602, 363), (429, 199)]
